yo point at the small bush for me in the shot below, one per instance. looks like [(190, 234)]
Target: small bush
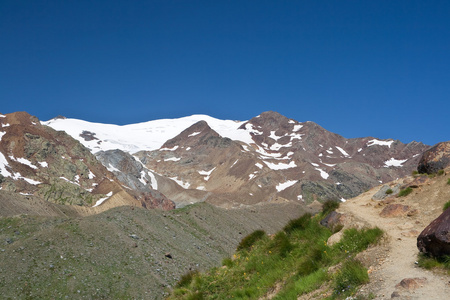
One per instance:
[(427, 262), (448, 181), (446, 205), (441, 172), (186, 279), (405, 192), (351, 275), (415, 172), (389, 191), (298, 224), (329, 206), (248, 241), (281, 244)]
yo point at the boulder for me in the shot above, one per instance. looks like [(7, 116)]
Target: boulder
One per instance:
[(435, 238), (394, 210), (435, 159), (333, 220)]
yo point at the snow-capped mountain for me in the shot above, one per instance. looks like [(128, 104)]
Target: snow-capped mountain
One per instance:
[(268, 158)]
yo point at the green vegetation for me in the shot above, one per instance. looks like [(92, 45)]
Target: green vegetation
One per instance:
[(293, 262), (415, 173), (329, 206), (448, 181), (446, 205), (405, 192), (247, 242), (389, 191), (428, 262), (441, 172)]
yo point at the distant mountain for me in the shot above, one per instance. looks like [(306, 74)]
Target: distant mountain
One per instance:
[(40, 161), (269, 158)]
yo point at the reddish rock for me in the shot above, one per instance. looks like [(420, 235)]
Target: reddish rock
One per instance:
[(435, 159), (435, 238), (394, 210), (411, 283)]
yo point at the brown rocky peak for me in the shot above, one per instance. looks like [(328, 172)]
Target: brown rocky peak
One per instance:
[(19, 118), (197, 134)]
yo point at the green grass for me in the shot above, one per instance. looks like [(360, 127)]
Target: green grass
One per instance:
[(389, 191), (249, 240), (293, 262), (428, 262), (405, 192), (446, 205), (448, 181), (440, 172)]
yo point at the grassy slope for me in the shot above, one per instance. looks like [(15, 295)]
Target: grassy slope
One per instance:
[(294, 261), (121, 253)]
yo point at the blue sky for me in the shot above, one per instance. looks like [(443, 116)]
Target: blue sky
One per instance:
[(357, 68)]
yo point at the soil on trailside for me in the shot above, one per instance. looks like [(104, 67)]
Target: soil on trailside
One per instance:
[(395, 258)]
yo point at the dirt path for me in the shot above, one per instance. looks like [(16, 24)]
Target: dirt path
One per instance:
[(395, 260)]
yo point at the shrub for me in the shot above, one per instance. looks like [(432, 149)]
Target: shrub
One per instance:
[(298, 224), (351, 275), (186, 279), (405, 192), (389, 191), (441, 172), (446, 205), (329, 206), (281, 244), (248, 241), (415, 172), (448, 181)]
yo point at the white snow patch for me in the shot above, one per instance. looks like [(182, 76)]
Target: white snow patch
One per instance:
[(284, 185), (207, 174), (273, 136), (343, 200), (342, 151), (23, 161), (43, 164), (280, 166), (110, 168), (394, 162), (297, 128), (183, 184), (6, 125), (194, 134), (259, 165), (378, 142), (329, 152), (77, 178), (2, 116), (297, 136), (188, 148), (251, 176), (201, 188), (234, 163), (330, 165), (31, 181), (172, 159), (154, 183), (2, 134), (142, 178), (101, 200), (291, 122), (72, 182), (315, 165), (324, 174), (169, 149), (360, 149)]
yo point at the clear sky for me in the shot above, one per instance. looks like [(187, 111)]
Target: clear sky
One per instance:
[(357, 68)]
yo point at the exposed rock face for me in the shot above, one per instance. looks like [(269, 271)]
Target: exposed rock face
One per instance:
[(435, 159), (394, 210), (333, 220), (133, 174), (435, 238), (37, 160), (286, 160)]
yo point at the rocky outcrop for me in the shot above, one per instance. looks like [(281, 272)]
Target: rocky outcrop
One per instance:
[(394, 210), (435, 238), (135, 176), (37, 160), (435, 159)]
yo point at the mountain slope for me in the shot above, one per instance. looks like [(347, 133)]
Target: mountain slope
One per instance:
[(38, 160)]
